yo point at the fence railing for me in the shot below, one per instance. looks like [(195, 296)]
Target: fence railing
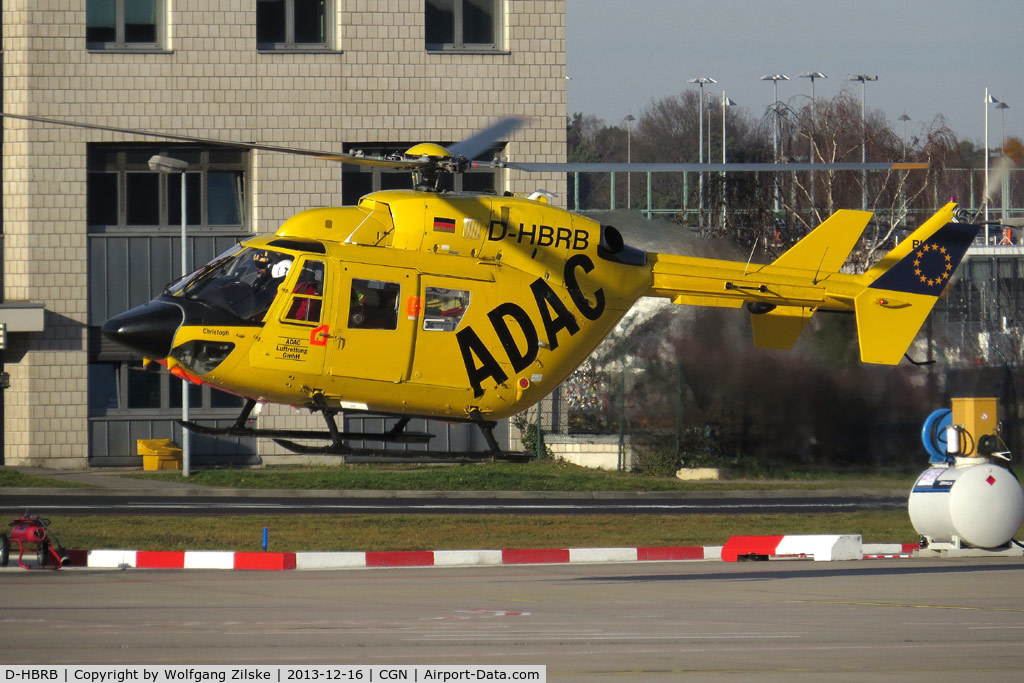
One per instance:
[(620, 189)]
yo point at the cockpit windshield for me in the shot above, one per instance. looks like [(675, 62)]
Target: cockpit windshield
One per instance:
[(242, 281)]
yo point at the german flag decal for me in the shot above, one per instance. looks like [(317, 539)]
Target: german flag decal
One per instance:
[(444, 225)]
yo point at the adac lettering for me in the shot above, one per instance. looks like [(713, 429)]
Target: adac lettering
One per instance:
[(499, 317), (540, 235), (576, 294), (512, 325)]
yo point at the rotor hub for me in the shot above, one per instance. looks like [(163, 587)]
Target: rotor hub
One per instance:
[(427, 149)]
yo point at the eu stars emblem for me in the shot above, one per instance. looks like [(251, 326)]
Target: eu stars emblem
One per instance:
[(932, 264)]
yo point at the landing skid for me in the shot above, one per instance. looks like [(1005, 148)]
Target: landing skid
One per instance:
[(302, 449), (285, 436), (337, 446)]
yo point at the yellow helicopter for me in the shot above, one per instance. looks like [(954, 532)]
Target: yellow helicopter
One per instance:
[(471, 307)]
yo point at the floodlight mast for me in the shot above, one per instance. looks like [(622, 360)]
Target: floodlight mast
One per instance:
[(701, 81), (629, 159), (863, 79), (989, 99), (814, 125), (775, 78), (726, 103), (1002, 107)]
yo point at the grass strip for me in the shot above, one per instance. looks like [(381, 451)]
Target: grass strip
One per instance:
[(488, 476), (12, 478), (303, 533)]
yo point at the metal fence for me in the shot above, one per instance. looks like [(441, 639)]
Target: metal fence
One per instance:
[(606, 191)]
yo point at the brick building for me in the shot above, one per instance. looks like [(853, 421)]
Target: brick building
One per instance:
[(89, 230)]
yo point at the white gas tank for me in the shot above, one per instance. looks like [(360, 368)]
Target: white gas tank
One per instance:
[(973, 502)]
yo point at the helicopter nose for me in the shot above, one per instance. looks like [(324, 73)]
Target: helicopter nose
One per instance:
[(148, 329)]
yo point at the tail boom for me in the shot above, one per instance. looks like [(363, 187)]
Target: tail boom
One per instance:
[(800, 277), (891, 300)]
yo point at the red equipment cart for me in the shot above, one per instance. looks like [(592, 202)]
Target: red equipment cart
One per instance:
[(32, 530)]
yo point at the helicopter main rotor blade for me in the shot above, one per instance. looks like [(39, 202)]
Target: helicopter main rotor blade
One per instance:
[(542, 167), (398, 164), (475, 145), (478, 143)]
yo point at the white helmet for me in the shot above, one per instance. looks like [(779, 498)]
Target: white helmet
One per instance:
[(281, 268)]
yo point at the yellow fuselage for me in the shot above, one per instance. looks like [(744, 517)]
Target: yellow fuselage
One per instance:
[(482, 305), (469, 306)]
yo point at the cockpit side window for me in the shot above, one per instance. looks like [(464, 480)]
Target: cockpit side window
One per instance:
[(244, 284), (373, 305), (271, 268), (308, 294)]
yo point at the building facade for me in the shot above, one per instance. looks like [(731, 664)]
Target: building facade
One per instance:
[(90, 230)]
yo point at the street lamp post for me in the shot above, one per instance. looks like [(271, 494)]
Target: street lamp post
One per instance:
[(726, 103), (905, 119), (989, 99), (814, 106), (863, 78), (701, 81), (710, 108), (163, 164), (814, 125), (775, 78), (1002, 107), (629, 159), (902, 174)]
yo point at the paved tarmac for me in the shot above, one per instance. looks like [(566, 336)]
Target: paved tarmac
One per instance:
[(905, 620), (883, 620)]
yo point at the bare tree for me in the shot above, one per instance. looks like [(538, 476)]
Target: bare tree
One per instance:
[(741, 205), (836, 135)]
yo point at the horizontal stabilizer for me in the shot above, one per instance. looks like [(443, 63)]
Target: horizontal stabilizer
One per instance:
[(780, 328), (886, 326)]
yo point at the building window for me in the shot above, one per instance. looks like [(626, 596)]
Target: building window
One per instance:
[(122, 192), (116, 386), (292, 24), (462, 24), (123, 24)]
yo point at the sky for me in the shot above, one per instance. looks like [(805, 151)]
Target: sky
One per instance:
[(932, 57)]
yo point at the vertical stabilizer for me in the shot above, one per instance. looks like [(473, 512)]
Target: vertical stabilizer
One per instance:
[(822, 252), (903, 287), (826, 248)]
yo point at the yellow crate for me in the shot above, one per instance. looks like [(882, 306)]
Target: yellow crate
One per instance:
[(977, 415), (159, 454)]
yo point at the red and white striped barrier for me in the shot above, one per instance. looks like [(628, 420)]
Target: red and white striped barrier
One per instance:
[(820, 547), (207, 559), (888, 551), (188, 559)]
